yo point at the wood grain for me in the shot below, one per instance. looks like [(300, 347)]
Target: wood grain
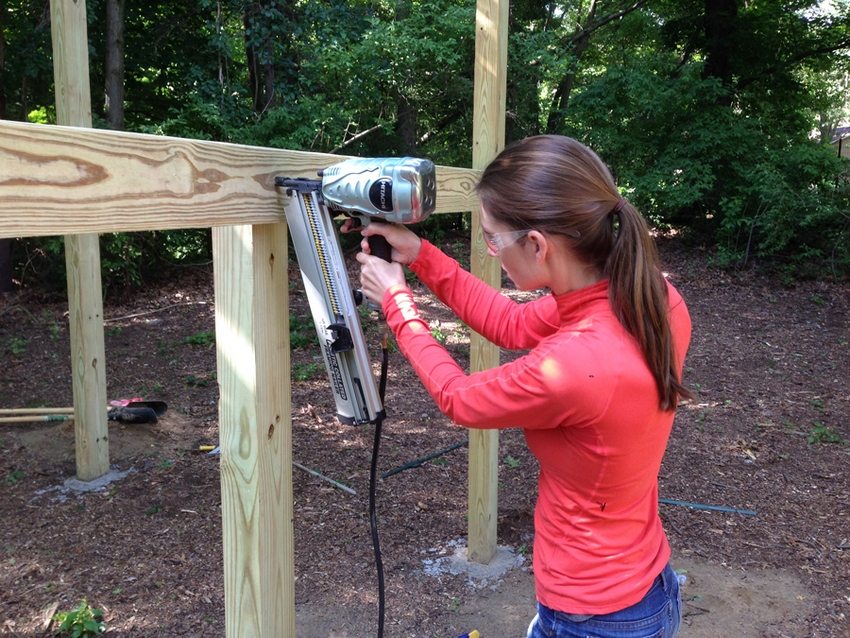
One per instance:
[(82, 252), (64, 180), (252, 340), (488, 138)]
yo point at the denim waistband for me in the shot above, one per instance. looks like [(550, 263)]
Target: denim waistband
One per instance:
[(666, 580)]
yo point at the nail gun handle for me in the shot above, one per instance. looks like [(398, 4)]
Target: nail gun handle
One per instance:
[(380, 247), (378, 244)]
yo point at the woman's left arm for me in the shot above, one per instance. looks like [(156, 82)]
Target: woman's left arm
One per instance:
[(520, 393)]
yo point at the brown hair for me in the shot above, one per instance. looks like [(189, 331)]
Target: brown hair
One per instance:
[(557, 185)]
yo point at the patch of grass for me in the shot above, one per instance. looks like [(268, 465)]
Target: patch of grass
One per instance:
[(82, 621), (823, 434), (301, 331), (16, 345), (15, 476), (307, 371), (512, 462), (439, 335), (204, 381), (205, 338)]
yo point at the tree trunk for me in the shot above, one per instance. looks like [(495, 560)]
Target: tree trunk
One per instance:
[(6, 283), (720, 25), (259, 56), (406, 118), (3, 19), (580, 40), (562, 94), (406, 126), (114, 63)]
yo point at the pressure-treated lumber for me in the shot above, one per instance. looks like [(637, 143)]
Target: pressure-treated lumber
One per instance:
[(252, 340), (62, 180), (488, 138), (82, 252)]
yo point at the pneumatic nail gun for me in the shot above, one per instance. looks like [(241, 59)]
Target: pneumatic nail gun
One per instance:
[(397, 190)]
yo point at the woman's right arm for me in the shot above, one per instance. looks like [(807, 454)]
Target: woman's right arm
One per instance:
[(483, 308)]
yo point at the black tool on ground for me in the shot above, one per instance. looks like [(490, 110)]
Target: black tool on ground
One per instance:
[(137, 412), (398, 190)]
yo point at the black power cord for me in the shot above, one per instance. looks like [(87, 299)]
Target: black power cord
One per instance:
[(373, 481)]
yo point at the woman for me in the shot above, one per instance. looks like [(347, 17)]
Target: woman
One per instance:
[(597, 392)]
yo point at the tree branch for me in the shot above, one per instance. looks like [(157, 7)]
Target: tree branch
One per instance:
[(354, 138), (794, 60)]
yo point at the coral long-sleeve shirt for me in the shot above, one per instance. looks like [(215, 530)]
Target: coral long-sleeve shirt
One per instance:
[(589, 408)]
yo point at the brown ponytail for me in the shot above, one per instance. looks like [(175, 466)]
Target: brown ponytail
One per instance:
[(557, 185), (638, 295)]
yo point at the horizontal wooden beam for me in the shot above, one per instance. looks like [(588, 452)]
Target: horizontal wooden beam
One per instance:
[(61, 180)]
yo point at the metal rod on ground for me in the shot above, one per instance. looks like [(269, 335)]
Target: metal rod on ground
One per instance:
[(711, 508), (344, 488), (423, 459), (21, 411), (36, 418)]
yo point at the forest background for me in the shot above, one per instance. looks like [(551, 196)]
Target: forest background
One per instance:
[(715, 115)]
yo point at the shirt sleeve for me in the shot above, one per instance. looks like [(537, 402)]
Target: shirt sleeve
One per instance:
[(491, 314), (519, 393)]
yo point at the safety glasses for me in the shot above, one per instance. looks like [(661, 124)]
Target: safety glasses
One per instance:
[(497, 242)]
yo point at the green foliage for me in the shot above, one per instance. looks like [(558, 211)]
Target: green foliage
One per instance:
[(16, 345), (14, 477), (307, 371), (83, 621), (512, 462), (205, 338), (712, 135), (687, 160), (128, 260), (202, 381), (301, 331), (822, 434)]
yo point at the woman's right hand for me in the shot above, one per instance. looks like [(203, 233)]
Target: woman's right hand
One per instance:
[(404, 242)]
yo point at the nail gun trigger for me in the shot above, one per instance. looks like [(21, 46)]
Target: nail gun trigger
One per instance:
[(342, 338)]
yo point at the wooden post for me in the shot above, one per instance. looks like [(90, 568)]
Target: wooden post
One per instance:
[(488, 138), (82, 252), (252, 337)]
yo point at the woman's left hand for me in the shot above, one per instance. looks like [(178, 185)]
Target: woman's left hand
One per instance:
[(377, 276)]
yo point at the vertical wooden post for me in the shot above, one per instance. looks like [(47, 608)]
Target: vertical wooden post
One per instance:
[(69, 32), (488, 138), (252, 337)]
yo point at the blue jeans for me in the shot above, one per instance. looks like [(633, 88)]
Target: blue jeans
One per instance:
[(658, 615)]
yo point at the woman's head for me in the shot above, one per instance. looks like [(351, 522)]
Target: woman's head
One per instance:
[(557, 185)]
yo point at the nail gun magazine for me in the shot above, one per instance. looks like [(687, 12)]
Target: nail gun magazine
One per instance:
[(396, 190)]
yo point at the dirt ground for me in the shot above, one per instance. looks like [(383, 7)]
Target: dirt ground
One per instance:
[(767, 435)]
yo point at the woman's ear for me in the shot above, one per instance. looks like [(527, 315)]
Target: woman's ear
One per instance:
[(540, 244)]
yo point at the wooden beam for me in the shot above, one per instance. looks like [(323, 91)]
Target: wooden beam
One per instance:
[(488, 138), (82, 252), (252, 339), (63, 180)]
